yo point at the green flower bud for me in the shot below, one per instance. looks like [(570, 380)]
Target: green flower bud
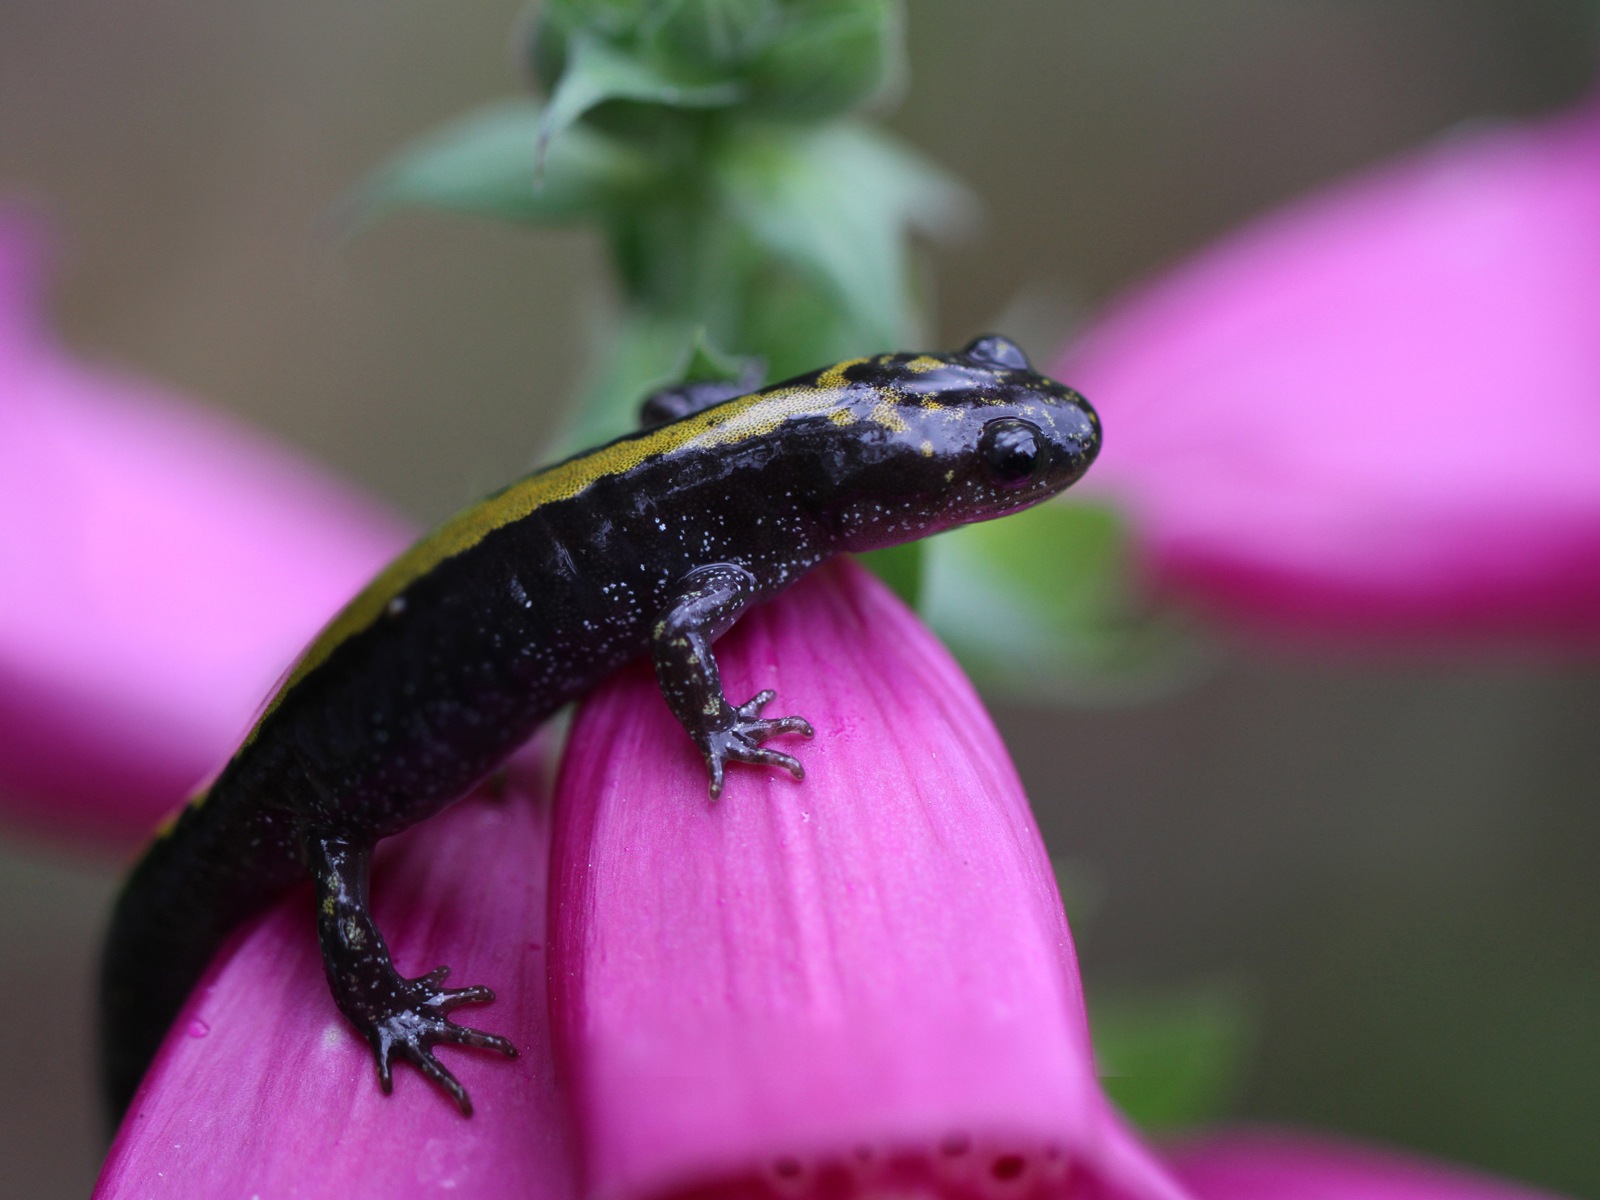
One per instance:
[(831, 57), (715, 35), (785, 59)]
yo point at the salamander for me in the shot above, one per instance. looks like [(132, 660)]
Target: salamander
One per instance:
[(447, 661)]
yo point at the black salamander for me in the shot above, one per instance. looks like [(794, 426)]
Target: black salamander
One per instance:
[(451, 657)]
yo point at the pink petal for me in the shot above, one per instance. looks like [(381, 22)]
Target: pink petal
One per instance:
[(862, 982), (263, 1089), (1277, 1165), (159, 568), (1377, 412)]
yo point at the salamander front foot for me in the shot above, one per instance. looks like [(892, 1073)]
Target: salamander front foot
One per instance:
[(413, 1018), (739, 735)]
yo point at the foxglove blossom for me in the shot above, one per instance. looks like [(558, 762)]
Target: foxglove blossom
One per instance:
[(860, 984), (1279, 1165), (161, 567), (1376, 414)]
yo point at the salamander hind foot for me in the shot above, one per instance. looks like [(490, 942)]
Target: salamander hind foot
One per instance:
[(399, 1017), (738, 738), (411, 1017)]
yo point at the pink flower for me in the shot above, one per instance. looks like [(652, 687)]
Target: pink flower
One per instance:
[(1278, 1165), (262, 1089), (1376, 413), (161, 567), (862, 982)]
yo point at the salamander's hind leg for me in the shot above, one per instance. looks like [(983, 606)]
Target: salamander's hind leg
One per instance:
[(398, 1016)]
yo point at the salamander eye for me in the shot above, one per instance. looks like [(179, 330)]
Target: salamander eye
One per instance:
[(1012, 451), (996, 351)]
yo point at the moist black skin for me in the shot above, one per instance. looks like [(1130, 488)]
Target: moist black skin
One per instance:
[(654, 543)]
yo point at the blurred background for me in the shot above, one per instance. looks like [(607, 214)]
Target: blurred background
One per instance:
[(1398, 869)]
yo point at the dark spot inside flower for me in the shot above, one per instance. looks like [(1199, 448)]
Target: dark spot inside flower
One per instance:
[(787, 1168), (864, 1152), (956, 1143), (1007, 1166)]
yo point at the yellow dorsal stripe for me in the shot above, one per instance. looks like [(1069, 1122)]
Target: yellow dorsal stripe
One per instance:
[(752, 416)]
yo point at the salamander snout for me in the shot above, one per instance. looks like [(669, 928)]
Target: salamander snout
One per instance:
[(1076, 430), (1039, 440), (940, 440)]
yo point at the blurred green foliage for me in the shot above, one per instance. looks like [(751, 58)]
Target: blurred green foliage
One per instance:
[(752, 215), (1174, 1058), (800, 60), (1044, 603), (710, 143)]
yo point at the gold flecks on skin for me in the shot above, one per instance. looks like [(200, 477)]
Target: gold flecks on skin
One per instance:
[(923, 363), (841, 416), (884, 413), (833, 377), (926, 448)]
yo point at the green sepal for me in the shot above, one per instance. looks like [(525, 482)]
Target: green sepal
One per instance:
[(900, 567), (613, 18), (795, 322), (793, 60), (645, 353), (701, 41), (1171, 1059), (831, 59), (708, 361), (836, 204), (719, 35), (1044, 604), (595, 71), (483, 164)]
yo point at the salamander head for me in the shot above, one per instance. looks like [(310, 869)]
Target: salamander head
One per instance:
[(933, 441)]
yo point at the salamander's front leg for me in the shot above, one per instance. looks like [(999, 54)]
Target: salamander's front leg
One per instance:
[(706, 605), (687, 398), (396, 1015)]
